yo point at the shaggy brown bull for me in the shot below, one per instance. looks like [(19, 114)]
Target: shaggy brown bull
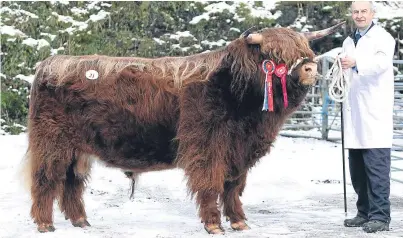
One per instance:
[(202, 113)]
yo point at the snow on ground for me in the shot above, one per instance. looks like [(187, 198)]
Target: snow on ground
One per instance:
[(296, 191)]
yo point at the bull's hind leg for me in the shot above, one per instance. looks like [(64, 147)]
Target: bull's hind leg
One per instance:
[(48, 175), (232, 203), (71, 197), (43, 193)]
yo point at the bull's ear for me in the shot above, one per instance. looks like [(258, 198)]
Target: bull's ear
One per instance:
[(255, 38)]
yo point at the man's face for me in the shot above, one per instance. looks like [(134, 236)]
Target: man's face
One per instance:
[(362, 14)]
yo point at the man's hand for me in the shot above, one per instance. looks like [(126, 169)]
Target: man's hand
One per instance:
[(347, 62)]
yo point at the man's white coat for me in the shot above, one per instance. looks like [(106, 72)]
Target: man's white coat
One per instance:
[(368, 110)]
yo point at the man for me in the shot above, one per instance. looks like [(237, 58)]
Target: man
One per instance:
[(368, 117)]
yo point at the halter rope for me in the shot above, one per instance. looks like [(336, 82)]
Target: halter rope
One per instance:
[(339, 85)]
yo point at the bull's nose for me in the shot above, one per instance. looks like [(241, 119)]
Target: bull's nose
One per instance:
[(310, 68), (308, 73)]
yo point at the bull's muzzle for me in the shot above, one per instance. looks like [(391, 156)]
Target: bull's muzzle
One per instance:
[(307, 74)]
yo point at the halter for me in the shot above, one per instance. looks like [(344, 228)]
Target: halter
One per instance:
[(296, 64)]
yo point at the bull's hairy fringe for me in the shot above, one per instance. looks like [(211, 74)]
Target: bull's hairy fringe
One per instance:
[(178, 69), (279, 44)]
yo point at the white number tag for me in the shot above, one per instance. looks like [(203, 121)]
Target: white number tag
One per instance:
[(91, 74)]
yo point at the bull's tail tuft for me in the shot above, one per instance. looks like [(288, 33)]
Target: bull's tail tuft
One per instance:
[(26, 171), (133, 179)]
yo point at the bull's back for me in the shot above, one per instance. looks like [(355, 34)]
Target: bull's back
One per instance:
[(65, 68)]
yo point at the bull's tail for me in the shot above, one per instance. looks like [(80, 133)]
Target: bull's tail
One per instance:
[(26, 171), (27, 161), (134, 177)]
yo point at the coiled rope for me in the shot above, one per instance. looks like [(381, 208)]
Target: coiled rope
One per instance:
[(339, 84)]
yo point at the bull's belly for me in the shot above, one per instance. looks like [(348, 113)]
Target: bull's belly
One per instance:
[(129, 145), (135, 150), (120, 138)]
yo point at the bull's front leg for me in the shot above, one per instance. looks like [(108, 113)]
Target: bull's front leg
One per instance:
[(205, 181), (203, 150), (208, 211), (232, 203)]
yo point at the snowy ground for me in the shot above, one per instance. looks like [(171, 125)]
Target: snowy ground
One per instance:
[(296, 191)]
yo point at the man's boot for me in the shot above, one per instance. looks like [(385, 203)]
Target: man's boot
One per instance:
[(355, 222), (375, 225)]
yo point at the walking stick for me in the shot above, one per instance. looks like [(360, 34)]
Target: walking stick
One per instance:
[(338, 90), (342, 155)]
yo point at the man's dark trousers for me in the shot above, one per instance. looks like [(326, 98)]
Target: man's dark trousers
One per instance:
[(370, 176)]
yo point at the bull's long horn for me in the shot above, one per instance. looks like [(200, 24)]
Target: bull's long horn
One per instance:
[(322, 33), (247, 32)]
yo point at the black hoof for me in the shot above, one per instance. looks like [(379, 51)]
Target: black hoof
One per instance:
[(46, 228), (214, 229), (81, 223)]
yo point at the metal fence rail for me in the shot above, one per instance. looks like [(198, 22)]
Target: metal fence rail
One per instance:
[(320, 116)]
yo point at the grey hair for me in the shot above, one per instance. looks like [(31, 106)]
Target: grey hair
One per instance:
[(371, 3)]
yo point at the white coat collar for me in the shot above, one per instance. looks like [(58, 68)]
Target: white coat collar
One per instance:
[(369, 33)]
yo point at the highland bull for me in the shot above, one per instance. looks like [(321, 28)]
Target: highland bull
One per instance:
[(213, 114)]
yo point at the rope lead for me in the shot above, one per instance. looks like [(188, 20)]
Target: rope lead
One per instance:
[(339, 85)]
